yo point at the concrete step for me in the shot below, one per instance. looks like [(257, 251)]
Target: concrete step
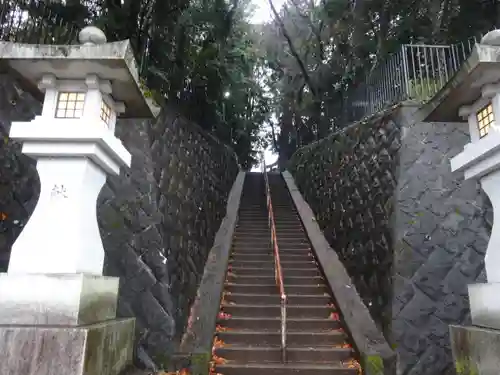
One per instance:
[(252, 226), (284, 250), (273, 288), (294, 339), (283, 369), (294, 355), (287, 280), (269, 271), (303, 256), (258, 241), (259, 220), (273, 311), (274, 299), (264, 237), (274, 324), (269, 263)]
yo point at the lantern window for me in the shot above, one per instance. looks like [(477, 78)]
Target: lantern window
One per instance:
[(70, 104), (105, 113), (485, 119)]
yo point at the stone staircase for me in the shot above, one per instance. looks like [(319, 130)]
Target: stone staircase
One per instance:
[(247, 338)]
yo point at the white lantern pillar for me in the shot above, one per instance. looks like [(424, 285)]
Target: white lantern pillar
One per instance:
[(75, 148)]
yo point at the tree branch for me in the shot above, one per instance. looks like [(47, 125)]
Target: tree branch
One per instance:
[(294, 52)]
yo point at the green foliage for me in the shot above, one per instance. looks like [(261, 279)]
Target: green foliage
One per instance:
[(317, 50), (190, 54), (292, 73)]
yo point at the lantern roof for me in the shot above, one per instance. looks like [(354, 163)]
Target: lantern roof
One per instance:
[(113, 61), (465, 87)]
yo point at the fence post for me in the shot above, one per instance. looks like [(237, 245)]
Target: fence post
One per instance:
[(406, 71)]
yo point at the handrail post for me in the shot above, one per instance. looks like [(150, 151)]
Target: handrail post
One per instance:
[(406, 71), (283, 328)]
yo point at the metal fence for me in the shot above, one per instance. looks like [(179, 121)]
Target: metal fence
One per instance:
[(35, 22), (415, 72)]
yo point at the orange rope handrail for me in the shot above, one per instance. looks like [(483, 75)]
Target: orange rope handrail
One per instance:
[(277, 263)]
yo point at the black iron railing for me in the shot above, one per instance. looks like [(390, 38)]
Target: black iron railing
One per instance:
[(415, 72)]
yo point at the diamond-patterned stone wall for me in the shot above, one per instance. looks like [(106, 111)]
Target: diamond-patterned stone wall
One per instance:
[(158, 220), (411, 233), (349, 179)]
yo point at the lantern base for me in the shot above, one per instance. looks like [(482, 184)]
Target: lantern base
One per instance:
[(99, 349), (57, 300), (475, 350)]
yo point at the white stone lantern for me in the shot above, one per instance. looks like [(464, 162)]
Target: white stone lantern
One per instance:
[(480, 160), (54, 279)]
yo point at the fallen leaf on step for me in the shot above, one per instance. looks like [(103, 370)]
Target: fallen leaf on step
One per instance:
[(354, 364), (218, 343), (180, 372), (218, 360), (334, 316), (223, 315), (220, 328)]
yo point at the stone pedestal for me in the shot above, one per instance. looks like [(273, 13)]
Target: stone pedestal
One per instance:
[(475, 350), (57, 300), (62, 325), (98, 349)]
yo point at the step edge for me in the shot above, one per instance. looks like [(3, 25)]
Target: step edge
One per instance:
[(278, 348), (277, 306), (303, 320), (237, 332)]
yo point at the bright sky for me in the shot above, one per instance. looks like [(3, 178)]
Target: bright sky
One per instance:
[(263, 14), (263, 10)]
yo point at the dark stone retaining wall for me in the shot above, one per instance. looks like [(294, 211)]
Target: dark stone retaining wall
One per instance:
[(411, 234), (158, 220), (348, 179)]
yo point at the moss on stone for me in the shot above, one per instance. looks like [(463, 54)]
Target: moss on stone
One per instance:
[(109, 347), (98, 309), (373, 365), (200, 363), (465, 366), (161, 360)]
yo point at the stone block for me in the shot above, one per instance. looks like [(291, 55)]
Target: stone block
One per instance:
[(98, 349), (67, 300), (476, 351), (485, 305)]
